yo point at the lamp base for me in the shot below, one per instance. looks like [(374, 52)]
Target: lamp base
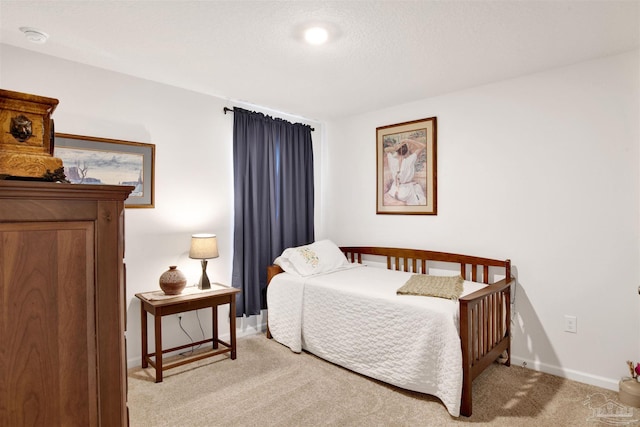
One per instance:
[(204, 279)]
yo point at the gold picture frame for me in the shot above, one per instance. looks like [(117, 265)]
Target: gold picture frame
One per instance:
[(406, 168), (92, 160)]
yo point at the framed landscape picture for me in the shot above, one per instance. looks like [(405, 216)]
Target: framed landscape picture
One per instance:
[(91, 160), (406, 168)]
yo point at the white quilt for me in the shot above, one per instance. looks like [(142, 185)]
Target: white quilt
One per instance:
[(354, 318)]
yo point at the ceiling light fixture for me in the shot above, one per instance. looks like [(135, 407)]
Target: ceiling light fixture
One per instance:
[(316, 35), (34, 35)]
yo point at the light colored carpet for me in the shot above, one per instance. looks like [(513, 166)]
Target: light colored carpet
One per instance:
[(268, 385)]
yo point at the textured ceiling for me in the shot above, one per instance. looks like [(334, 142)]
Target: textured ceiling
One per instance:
[(381, 53)]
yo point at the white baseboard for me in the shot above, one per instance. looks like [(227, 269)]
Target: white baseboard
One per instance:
[(582, 377)]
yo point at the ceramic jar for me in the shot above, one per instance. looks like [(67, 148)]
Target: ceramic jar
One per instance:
[(629, 392), (172, 281)]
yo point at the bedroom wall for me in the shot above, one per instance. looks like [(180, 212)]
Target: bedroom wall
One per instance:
[(541, 169), (193, 180)]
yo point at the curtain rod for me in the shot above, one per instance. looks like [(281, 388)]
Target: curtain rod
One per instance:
[(229, 110)]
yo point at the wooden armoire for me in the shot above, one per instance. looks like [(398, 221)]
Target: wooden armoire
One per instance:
[(62, 304)]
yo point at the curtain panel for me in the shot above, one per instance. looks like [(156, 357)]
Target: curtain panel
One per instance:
[(273, 199)]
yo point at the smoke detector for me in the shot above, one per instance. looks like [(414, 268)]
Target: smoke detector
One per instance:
[(34, 35)]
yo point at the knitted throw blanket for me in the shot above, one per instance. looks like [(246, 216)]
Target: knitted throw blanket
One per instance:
[(449, 287)]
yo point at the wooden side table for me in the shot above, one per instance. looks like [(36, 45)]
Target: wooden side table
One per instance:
[(158, 304)]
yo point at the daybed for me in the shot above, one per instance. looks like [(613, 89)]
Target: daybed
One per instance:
[(349, 314)]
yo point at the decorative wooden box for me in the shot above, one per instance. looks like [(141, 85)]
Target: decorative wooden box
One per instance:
[(26, 135)]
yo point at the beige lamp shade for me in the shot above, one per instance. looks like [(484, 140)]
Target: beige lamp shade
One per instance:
[(203, 246)]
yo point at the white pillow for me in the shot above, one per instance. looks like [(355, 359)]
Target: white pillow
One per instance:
[(323, 256)]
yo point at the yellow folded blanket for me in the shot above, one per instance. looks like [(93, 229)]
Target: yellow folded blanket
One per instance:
[(449, 287)]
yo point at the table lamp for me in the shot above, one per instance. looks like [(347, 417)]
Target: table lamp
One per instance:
[(204, 247)]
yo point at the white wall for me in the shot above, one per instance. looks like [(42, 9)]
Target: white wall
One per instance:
[(193, 179), (542, 170)]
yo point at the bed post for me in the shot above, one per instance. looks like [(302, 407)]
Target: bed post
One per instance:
[(507, 298), (272, 270), (465, 339)]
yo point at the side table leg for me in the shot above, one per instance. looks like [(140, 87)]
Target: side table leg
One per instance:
[(232, 326), (143, 327), (158, 331), (214, 325)]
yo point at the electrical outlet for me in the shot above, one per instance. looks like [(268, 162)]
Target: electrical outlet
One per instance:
[(570, 324)]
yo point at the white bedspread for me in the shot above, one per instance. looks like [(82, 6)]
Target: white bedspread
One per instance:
[(354, 318)]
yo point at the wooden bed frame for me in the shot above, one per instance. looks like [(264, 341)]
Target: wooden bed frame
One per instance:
[(485, 315)]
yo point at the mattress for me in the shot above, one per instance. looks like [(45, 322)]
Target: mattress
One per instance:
[(354, 318)]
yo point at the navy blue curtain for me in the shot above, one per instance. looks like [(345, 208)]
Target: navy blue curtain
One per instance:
[(273, 190)]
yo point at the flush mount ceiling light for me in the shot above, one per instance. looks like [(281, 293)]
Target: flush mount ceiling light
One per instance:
[(316, 35), (34, 35)]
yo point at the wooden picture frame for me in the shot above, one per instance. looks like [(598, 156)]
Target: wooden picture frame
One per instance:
[(92, 160), (406, 168)]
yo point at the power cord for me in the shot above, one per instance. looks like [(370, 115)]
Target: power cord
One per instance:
[(190, 352), (187, 334), (200, 323)]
